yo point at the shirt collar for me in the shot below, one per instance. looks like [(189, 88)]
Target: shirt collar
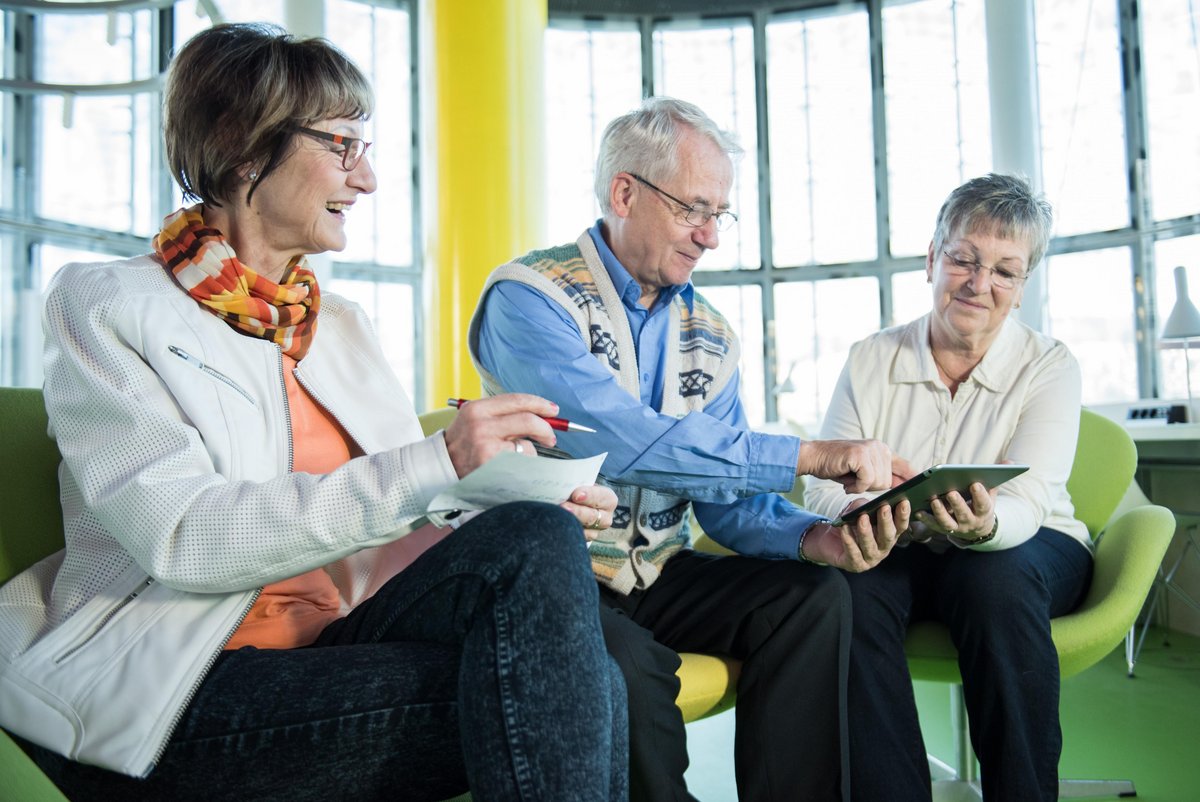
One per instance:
[(627, 287), (995, 371)]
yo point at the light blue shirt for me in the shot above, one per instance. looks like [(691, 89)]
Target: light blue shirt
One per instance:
[(733, 475)]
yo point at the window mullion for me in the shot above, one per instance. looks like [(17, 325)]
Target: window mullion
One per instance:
[(883, 226), (1141, 211), (162, 34), (19, 357), (766, 256)]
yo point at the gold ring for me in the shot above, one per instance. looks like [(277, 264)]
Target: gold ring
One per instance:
[(596, 523)]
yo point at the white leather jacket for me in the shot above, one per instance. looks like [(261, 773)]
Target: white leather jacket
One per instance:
[(179, 502)]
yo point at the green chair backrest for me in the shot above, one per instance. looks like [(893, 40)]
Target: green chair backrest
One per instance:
[(30, 529), (436, 419), (30, 514), (31, 521), (1105, 461)]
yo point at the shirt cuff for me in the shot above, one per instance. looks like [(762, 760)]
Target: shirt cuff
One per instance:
[(772, 464)]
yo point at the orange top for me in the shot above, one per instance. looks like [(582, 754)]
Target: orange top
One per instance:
[(291, 613)]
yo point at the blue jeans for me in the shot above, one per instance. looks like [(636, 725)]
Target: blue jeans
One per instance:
[(998, 606), (482, 665)]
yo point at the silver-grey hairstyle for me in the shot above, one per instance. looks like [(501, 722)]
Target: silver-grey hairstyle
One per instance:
[(646, 140), (1005, 205)]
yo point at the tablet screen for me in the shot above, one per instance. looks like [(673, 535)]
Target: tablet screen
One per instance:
[(937, 481)]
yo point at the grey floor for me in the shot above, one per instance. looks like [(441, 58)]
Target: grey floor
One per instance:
[(710, 753)]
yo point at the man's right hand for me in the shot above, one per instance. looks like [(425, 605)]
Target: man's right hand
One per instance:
[(859, 465)]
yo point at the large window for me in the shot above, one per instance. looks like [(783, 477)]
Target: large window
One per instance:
[(1083, 126), (819, 104), (712, 65), (1171, 55), (593, 75), (378, 268), (1091, 310), (858, 118), (816, 322), (938, 116), (91, 150), (84, 180), (1120, 151)]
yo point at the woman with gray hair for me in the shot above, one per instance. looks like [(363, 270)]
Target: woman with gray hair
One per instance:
[(966, 383), (242, 609)]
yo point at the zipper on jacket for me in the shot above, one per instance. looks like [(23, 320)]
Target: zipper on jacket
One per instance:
[(118, 607), (212, 658), (287, 411), (191, 694), (187, 699), (216, 374)]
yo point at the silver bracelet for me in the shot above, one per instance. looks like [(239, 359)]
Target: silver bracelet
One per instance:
[(962, 542), (800, 544)]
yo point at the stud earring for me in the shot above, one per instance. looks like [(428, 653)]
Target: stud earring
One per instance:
[(253, 175)]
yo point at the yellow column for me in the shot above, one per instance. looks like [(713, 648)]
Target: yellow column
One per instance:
[(482, 82)]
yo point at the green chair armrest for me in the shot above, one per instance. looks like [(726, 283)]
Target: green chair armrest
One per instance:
[(1127, 559), (1126, 562)]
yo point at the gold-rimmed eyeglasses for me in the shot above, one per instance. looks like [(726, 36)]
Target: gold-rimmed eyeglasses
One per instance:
[(352, 148), (694, 215), (959, 265)]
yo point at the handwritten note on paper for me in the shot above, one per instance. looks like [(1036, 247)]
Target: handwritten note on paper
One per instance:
[(510, 476)]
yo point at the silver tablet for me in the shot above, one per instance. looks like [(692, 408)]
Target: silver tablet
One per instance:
[(937, 481)]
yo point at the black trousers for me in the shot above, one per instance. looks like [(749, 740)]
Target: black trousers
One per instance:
[(998, 606), (788, 622)]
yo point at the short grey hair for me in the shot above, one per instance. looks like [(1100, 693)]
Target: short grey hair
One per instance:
[(1005, 205), (646, 141)]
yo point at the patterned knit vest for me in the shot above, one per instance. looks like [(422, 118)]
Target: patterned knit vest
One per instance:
[(648, 526)]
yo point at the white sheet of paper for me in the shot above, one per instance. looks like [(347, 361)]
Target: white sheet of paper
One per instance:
[(510, 476)]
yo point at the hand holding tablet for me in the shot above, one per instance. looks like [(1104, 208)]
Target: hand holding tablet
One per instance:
[(935, 482)]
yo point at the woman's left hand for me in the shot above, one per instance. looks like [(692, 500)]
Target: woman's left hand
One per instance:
[(593, 507), (953, 516)]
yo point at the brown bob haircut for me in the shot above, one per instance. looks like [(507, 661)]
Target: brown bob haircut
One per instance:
[(234, 96)]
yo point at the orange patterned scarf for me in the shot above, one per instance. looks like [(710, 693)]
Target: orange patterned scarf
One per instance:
[(205, 265)]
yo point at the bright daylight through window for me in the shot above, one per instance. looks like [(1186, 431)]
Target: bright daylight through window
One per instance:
[(862, 118), (857, 119), (96, 190)]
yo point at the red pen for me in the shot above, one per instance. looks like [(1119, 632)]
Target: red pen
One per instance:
[(561, 424)]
